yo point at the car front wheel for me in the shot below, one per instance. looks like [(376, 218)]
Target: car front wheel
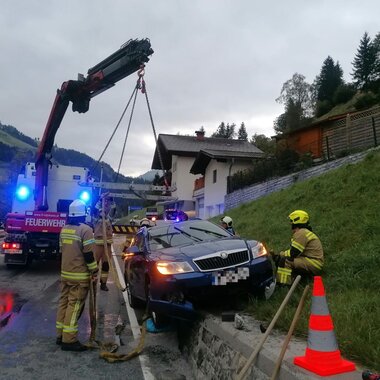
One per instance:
[(160, 320), (134, 302)]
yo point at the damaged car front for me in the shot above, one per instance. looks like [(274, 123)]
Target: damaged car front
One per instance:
[(173, 267)]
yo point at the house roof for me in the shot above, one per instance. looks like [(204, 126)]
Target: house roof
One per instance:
[(190, 146), (205, 156)]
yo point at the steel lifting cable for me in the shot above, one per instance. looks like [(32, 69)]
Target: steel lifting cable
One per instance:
[(116, 128), (140, 85), (129, 126), (144, 91)]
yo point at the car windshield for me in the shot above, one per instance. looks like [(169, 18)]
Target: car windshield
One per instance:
[(186, 233)]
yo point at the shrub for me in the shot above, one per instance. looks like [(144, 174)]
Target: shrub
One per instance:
[(366, 100), (344, 93), (323, 106)]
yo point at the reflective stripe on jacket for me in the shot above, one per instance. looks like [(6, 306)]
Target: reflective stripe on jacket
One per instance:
[(75, 240), (98, 232), (309, 246)]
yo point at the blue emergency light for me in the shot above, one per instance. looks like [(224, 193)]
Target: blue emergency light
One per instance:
[(84, 196), (22, 193)]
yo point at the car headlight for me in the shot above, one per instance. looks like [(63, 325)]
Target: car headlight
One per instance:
[(170, 267), (258, 250)]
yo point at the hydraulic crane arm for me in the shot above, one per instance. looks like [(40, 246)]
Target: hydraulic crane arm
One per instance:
[(104, 75)]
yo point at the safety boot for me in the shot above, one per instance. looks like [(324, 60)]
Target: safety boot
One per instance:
[(58, 340), (103, 286), (75, 346)]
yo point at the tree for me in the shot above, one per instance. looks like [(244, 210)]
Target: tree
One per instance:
[(376, 45), (279, 124), (291, 119), (329, 79), (364, 63), (296, 95), (298, 92), (264, 143), (242, 133), (225, 131)]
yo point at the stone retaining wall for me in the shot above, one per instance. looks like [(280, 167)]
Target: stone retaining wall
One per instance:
[(216, 350), (253, 192)]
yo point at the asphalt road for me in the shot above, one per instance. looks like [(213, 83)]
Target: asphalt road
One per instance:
[(28, 303)]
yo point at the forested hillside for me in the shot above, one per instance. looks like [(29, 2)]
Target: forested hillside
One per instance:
[(16, 149)]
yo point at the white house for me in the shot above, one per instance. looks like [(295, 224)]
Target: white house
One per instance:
[(200, 167)]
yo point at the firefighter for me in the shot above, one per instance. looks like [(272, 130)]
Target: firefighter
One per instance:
[(145, 222), (305, 255), (226, 223), (100, 254), (78, 267)]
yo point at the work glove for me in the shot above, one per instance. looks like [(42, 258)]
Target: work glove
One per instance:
[(94, 274), (276, 258)]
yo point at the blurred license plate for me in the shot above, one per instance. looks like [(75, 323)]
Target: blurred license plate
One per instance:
[(13, 251), (225, 277)]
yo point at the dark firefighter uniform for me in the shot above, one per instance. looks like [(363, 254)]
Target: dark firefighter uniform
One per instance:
[(78, 263), (100, 253), (305, 255)]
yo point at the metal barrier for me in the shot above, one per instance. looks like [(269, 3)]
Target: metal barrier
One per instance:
[(124, 229)]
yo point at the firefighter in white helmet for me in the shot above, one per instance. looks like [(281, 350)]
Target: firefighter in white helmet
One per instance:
[(100, 254), (78, 268), (226, 223), (145, 222), (305, 255)]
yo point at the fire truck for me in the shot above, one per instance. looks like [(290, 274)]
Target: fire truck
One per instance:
[(45, 190)]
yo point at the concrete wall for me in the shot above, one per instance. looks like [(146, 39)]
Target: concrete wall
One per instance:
[(214, 193), (181, 177), (217, 350), (253, 192)]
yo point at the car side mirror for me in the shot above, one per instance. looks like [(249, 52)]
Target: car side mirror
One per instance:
[(130, 252)]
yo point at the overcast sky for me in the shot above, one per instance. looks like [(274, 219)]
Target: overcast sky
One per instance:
[(213, 61)]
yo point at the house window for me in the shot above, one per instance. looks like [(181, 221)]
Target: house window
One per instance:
[(214, 176), (220, 208), (209, 210)]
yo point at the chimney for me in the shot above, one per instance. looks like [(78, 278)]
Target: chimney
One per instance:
[(200, 135)]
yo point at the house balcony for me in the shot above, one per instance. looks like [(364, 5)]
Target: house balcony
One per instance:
[(199, 187)]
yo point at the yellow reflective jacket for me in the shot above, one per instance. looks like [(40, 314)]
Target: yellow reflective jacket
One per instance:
[(75, 241)]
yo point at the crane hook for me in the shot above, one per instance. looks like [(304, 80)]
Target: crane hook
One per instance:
[(140, 80)]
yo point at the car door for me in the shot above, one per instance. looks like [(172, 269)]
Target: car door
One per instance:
[(136, 268)]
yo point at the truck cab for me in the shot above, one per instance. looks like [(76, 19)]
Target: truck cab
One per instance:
[(33, 234), (151, 213)]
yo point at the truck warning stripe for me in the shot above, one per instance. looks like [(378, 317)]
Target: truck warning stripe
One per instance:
[(119, 229)]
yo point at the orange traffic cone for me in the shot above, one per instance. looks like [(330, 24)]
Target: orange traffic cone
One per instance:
[(322, 355)]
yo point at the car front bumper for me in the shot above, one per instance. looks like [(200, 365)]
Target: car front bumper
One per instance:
[(174, 294)]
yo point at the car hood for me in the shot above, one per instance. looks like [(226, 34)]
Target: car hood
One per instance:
[(200, 249)]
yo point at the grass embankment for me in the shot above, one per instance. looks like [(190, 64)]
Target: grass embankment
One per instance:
[(344, 207)]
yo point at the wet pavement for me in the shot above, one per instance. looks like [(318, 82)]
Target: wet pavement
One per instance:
[(28, 304)]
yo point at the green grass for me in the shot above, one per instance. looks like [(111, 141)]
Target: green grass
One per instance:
[(12, 141), (344, 207), (140, 214)]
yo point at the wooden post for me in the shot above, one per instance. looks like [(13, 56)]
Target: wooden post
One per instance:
[(327, 148), (290, 332), (251, 360), (374, 131)]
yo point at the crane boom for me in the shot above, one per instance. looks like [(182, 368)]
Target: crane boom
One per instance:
[(125, 61)]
